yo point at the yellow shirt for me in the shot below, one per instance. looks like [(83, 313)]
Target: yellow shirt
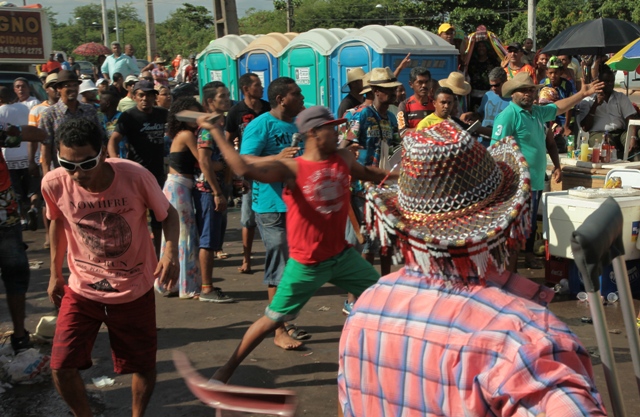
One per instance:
[(429, 121)]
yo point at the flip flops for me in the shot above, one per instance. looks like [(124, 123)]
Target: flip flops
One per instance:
[(296, 333)]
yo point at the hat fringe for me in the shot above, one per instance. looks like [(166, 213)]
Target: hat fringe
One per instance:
[(457, 263)]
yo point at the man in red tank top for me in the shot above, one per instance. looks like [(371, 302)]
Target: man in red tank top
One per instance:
[(317, 197)]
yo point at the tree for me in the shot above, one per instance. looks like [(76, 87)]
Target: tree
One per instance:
[(187, 30)]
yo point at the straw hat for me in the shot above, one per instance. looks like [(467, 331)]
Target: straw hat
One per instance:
[(51, 80), (366, 88), (457, 207), (520, 80), (353, 74), (160, 61), (455, 81), (383, 77)]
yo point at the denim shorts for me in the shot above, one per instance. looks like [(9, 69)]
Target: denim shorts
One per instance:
[(208, 220), (272, 227), (14, 264), (247, 215)]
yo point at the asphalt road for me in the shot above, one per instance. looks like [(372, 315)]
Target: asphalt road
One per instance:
[(208, 333)]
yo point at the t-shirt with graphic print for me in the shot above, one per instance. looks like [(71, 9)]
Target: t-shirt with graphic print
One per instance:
[(145, 137), (110, 254), (267, 135), (240, 115)]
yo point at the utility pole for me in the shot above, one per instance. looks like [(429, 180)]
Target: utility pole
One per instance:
[(531, 22), (152, 49), (105, 23), (290, 22), (117, 25), (225, 17)]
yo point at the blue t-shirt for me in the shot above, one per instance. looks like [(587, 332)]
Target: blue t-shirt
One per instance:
[(267, 135), (491, 106)]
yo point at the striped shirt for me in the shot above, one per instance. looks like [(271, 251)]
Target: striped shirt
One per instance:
[(422, 346)]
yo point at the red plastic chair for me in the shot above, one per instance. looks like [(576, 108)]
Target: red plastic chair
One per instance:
[(234, 398)]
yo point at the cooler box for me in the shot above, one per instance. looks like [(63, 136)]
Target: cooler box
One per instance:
[(564, 214), (607, 279)]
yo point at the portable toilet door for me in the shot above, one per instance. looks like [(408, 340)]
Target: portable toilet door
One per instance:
[(305, 60), (376, 46), (217, 62), (260, 57)]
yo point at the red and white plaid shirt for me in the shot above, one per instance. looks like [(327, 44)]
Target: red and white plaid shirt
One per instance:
[(423, 346)]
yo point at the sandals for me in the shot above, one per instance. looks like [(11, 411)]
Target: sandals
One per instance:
[(222, 255), (296, 333), (244, 270)]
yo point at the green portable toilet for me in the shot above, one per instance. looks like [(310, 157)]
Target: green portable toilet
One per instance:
[(306, 60), (217, 62)]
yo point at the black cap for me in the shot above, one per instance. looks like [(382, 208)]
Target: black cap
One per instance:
[(144, 85), (515, 45)]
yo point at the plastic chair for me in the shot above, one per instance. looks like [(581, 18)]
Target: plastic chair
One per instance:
[(234, 398), (629, 177)]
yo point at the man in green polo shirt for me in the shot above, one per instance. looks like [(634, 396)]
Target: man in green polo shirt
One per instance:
[(526, 123)]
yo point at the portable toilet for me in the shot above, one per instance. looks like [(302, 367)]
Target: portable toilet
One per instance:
[(376, 46), (306, 60), (217, 62), (260, 57)]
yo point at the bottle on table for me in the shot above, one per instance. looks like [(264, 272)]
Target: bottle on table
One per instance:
[(605, 153), (595, 155), (584, 149)]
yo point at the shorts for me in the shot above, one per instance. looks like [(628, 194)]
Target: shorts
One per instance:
[(24, 185), (131, 326), (14, 264), (247, 215), (348, 270), (208, 220), (272, 227)]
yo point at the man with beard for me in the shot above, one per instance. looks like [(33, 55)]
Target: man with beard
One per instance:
[(525, 122), (143, 126), (67, 107), (412, 110)]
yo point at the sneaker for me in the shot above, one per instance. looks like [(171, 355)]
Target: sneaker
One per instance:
[(20, 344), (216, 296), (346, 309), (32, 219)]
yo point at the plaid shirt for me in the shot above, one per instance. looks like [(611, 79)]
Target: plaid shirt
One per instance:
[(423, 346)]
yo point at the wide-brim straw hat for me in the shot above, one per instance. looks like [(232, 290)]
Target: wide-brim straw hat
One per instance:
[(159, 61), (383, 77), (457, 207), (366, 88), (455, 81), (520, 80)]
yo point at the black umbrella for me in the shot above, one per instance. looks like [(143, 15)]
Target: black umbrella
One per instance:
[(595, 37)]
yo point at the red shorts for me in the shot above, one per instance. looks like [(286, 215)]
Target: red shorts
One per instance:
[(132, 333)]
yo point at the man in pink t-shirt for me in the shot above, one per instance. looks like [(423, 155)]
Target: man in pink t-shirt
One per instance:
[(98, 213)]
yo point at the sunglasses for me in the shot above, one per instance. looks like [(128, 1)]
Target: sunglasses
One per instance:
[(495, 85), (87, 165)]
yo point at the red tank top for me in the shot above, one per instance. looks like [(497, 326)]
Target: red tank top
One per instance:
[(317, 210)]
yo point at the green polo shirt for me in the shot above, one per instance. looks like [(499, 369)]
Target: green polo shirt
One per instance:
[(527, 127)]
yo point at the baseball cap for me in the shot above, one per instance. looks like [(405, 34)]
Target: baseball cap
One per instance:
[(555, 62), (445, 27), (314, 117), (101, 80), (515, 45), (144, 85), (131, 79)]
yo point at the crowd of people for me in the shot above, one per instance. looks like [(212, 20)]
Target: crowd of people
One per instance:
[(136, 196)]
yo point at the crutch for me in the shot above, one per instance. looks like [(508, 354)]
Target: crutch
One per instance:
[(598, 242)]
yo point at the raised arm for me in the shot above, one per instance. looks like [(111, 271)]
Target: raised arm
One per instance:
[(568, 103)]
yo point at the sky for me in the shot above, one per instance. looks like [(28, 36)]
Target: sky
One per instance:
[(162, 8)]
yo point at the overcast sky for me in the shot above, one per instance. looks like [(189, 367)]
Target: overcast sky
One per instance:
[(162, 8)]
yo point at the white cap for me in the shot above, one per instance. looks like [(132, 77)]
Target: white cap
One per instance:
[(87, 85)]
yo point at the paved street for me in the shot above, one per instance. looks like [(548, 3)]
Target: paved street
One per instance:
[(208, 333)]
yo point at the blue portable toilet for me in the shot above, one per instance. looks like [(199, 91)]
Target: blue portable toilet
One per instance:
[(217, 62), (306, 60), (377, 46), (260, 57)]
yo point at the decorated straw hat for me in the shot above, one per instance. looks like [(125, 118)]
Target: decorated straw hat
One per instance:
[(455, 81), (457, 207), (548, 95)]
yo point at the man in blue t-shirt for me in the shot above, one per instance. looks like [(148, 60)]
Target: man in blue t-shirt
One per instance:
[(270, 134)]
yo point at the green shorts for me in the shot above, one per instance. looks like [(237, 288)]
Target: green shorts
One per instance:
[(348, 270)]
